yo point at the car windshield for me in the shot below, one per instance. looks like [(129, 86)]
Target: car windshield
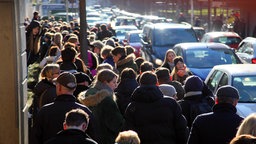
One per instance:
[(207, 58), (122, 32), (134, 38), (168, 37), (246, 87), (227, 40)]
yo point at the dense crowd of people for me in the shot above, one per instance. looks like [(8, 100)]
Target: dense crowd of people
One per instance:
[(118, 98)]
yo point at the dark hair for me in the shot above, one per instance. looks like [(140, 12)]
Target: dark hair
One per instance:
[(119, 50), (128, 73), (106, 75), (76, 117), (148, 78), (68, 54), (103, 27), (146, 66), (53, 50)]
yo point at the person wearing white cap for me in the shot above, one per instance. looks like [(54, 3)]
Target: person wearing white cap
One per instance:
[(168, 90)]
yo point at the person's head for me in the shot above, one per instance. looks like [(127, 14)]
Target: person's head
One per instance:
[(103, 27), (168, 90), (193, 85), (227, 94), (243, 139), (53, 50), (82, 79), (139, 61), (106, 51), (163, 75), (178, 62), (128, 73), (34, 27), (169, 56), (129, 49), (50, 71), (76, 119), (104, 66), (48, 36), (148, 78), (128, 137), (108, 77), (65, 83), (248, 126), (68, 54), (36, 15), (146, 66), (110, 42), (98, 45), (118, 53)]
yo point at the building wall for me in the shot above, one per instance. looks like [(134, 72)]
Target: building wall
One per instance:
[(13, 73)]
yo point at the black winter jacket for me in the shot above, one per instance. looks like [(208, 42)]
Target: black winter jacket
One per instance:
[(155, 118), (218, 127), (51, 117)]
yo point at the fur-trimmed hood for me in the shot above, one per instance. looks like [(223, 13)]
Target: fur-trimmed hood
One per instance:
[(127, 59), (94, 95)]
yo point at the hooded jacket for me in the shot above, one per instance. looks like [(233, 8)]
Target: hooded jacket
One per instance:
[(100, 99), (155, 118), (127, 62)]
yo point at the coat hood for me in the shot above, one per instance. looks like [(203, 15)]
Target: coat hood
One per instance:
[(147, 94), (94, 95)]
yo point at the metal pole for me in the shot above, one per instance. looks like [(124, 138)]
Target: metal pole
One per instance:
[(67, 18), (209, 15), (83, 31), (192, 12)]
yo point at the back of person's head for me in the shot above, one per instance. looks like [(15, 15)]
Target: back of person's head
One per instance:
[(168, 90), (128, 73), (68, 54), (163, 74), (53, 50), (129, 50), (82, 77), (128, 137), (146, 66), (58, 38), (248, 126), (148, 78), (106, 51), (110, 42), (49, 70), (76, 117), (67, 80), (227, 94), (119, 50), (98, 44), (103, 27), (104, 66), (106, 75), (193, 84), (243, 139)]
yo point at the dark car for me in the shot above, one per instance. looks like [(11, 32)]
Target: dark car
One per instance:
[(132, 38), (158, 38), (200, 58)]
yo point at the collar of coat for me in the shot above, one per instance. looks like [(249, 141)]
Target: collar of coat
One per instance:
[(127, 59), (94, 95)]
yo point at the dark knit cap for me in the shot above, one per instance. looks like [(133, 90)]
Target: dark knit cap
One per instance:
[(228, 91), (193, 83), (177, 59), (148, 78), (82, 77)]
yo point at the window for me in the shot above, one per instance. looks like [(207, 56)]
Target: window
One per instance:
[(214, 79)]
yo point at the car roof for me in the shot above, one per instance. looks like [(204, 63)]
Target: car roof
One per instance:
[(168, 25), (220, 34), (126, 27), (135, 31), (124, 17), (237, 69), (199, 45)]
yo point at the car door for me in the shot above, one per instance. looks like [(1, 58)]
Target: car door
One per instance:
[(214, 81)]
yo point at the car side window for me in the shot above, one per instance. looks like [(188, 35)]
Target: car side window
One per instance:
[(214, 80), (223, 80)]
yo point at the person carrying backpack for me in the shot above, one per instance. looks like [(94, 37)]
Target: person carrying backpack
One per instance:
[(194, 102)]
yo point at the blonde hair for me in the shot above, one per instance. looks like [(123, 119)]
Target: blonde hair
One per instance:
[(58, 39), (48, 71), (128, 137), (166, 55), (248, 126)]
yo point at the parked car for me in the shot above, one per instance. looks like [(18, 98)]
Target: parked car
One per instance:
[(122, 30), (231, 39), (247, 50), (157, 38), (200, 31), (200, 58), (123, 21), (132, 38), (242, 77)]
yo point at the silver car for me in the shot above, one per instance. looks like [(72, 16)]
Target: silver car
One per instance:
[(241, 76), (247, 50)]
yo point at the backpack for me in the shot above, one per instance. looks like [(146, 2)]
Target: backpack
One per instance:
[(200, 107)]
